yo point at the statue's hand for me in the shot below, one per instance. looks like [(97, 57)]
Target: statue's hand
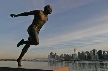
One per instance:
[(12, 15)]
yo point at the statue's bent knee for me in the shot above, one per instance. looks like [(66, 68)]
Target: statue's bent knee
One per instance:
[(37, 43)]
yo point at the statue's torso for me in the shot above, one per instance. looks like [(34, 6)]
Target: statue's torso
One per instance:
[(39, 20)]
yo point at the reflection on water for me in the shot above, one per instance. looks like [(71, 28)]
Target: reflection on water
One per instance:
[(73, 66), (83, 65)]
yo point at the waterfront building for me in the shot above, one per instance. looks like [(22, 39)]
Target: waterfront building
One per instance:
[(79, 55), (51, 57), (104, 55), (75, 56), (83, 55), (100, 55), (91, 54)]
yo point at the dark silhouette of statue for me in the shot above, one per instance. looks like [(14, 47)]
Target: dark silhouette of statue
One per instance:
[(40, 18)]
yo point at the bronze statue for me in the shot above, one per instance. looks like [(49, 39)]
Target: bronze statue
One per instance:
[(40, 18)]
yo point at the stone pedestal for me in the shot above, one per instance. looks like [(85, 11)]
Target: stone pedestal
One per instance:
[(42, 69)]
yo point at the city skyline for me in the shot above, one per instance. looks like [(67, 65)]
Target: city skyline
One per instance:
[(80, 24)]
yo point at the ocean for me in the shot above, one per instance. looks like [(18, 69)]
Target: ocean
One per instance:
[(73, 66)]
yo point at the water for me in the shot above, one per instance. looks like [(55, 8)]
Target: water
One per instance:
[(77, 66)]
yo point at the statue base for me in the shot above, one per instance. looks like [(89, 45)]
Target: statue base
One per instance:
[(42, 69)]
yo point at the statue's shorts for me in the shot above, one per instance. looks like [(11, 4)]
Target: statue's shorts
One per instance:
[(33, 35)]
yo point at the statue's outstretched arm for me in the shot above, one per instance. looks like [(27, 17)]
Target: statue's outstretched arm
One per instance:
[(24, 14)]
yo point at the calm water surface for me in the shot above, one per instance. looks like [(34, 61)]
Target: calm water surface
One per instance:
[(77, 66)]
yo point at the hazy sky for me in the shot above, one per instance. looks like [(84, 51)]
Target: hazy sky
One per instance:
[(81, 24)]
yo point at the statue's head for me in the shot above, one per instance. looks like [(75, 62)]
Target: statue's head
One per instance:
[(48, 9)]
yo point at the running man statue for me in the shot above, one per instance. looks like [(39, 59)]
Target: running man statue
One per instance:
[(40, 18)]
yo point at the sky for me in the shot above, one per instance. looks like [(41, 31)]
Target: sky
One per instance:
[(80, 24)]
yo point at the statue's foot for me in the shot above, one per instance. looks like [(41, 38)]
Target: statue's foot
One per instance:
[(19, 62), (20, 43)]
